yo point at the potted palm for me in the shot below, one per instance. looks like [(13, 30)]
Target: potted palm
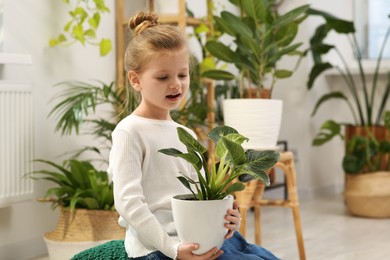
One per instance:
[(82, 192), (211, 194), (261, 38)]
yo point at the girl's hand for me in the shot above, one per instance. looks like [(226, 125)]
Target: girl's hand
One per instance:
[(185, 252), (234, 220)]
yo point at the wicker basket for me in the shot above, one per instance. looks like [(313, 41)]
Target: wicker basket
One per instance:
[(368, 195), (86, 225)]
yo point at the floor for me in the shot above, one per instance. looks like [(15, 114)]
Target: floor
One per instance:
[(329, 232)]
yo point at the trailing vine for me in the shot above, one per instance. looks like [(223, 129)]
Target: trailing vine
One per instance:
[(84, 21)]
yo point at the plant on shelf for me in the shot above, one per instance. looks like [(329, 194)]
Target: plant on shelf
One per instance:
[(85, 16), (363, 107), (231, 165), (262, 37)]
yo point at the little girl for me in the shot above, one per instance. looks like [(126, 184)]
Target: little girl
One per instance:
[(157, 65)]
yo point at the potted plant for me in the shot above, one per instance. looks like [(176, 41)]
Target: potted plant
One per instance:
[(211, 194), (82, 192), (367, 106), (367, 167), (261, 38)]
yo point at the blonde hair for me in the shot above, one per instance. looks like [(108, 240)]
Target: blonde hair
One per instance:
[(149, 38)]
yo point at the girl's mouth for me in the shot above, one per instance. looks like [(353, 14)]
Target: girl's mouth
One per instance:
[(173, 97)]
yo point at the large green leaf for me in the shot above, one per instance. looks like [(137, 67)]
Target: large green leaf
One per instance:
[(257, 9), (217, 132), (236, 24), (236, 151), (189, 157), (316, 71), (261, 160), (290, 16), (189, 141), (218, 75), (220, 51)]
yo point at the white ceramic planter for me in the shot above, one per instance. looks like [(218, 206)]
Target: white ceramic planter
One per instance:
[(201, 222), (166, 7), (257, 119)]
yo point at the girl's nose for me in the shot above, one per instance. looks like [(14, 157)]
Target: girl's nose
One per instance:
[(175, 84)]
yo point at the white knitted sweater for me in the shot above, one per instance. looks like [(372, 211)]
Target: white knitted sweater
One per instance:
[(144, 182)]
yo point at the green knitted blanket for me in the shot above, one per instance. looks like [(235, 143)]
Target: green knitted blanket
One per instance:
[(111, 250)]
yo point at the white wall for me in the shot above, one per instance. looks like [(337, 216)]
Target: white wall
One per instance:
[(30, 24)]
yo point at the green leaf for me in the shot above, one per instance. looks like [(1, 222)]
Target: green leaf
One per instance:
[(326, 97), (217, 132), (189, 141), (189, 157), (261, 160), (105, 46), (223, 26), (90, 33), (53, 42), (257, 9), (235, 151), (220, 51), (328, 130), (316, 71), (236, 24), (218, 75), (281, 74), (235, 187), (78, 33)]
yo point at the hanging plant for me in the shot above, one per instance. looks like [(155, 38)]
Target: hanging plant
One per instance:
[(84, 21)]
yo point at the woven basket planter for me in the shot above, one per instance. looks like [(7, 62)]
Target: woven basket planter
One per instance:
[(82, 229), (368, 195)]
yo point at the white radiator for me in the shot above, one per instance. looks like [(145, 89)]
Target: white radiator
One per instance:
[(16, 142)]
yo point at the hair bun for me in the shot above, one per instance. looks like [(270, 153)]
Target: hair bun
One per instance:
[(142, 21)]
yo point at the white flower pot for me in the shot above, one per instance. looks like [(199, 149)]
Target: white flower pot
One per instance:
[(257, 119), (201, 222), (166, 7)]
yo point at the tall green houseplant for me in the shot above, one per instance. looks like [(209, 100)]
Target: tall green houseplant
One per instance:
[(366, 106), (261, 38)]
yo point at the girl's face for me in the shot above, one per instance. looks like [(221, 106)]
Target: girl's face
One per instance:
[(163, 84)]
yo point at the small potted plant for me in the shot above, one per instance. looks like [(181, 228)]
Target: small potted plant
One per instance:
[(199, 216)]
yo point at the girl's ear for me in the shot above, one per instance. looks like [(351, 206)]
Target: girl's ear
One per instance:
[(134, 80)]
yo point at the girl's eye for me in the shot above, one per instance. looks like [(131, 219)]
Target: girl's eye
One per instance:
[(162, 78), (183, 76)]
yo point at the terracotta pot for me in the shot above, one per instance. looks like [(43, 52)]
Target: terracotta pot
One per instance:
[(368, 194), (380, 133)]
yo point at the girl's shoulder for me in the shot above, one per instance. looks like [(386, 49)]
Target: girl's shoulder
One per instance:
[(133, 123)]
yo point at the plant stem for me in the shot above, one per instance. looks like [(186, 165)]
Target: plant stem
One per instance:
[(351, 85), (375, 79), (358, 54)]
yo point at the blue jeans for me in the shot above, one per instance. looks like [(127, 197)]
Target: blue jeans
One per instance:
[(234, 248)]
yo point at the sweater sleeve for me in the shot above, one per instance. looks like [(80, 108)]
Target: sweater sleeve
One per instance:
[(126, 168)]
